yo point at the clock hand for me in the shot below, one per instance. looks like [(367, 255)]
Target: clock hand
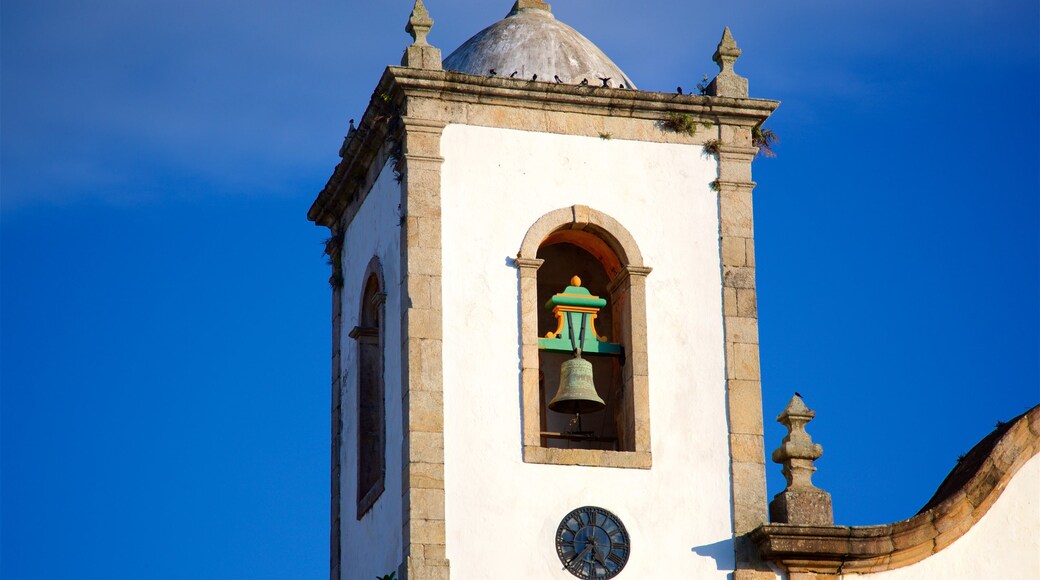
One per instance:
[(581, 556), (602, 559)]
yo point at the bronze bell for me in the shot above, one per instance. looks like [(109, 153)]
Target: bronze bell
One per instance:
[(577, 392)]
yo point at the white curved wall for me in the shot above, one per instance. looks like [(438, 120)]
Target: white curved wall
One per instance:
[(1004, 544), (372, 547), (502, 513)]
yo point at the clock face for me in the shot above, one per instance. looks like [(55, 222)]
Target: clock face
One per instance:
[(592, 543)]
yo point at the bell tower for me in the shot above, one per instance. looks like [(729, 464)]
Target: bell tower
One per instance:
[(545, 338)]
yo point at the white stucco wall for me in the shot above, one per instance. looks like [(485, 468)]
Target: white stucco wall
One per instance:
[(502, 513), (1004, 544), (372, 547)]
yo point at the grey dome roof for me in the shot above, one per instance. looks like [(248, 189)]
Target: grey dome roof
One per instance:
[(532, 41)]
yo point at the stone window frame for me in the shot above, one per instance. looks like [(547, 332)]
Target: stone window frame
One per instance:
[(371, 305), (628, 279)]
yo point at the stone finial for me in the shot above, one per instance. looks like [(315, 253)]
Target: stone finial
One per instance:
[(728, 83), (420, 54), (535, 4), (419, 23), (802, 502)]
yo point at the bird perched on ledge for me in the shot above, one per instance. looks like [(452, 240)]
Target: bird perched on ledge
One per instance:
[(606, 81), (584, 83)]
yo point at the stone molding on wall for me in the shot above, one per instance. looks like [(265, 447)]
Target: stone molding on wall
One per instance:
[(422, 383), (821, 552), (629, 278), (335, 546), (740, 320)]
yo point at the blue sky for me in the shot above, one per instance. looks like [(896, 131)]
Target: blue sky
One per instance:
[(164, 329)]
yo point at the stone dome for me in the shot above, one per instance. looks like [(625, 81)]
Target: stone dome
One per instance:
[(530, 41)]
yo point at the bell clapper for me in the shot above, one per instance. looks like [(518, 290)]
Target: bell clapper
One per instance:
[(577, 354)]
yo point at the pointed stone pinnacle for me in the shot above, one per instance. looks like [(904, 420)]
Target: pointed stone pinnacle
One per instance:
[(728, 83), (796, 407), (801, 502), (727, 52), (420, 54), (419, 24)]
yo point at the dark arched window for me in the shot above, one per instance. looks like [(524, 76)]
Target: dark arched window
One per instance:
[(371, 410)]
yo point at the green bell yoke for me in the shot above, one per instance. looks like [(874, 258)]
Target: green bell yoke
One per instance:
[(576, 310)]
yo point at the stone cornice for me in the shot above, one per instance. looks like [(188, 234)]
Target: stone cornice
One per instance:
[(350, 179), (865, 549), (458, 87), (403, 93)]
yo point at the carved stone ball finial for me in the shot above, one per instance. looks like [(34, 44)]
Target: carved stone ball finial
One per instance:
[(802, 502), (420, 54), (728, 83)]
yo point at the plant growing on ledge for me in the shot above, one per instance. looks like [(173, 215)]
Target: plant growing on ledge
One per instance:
[(711, 146), (764, 139), (680, 123), (683, 123), (333, 246)]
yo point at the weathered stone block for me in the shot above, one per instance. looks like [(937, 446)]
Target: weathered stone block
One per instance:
[(736, 214), (741, 330), (739, 278), (745, 407), (729, 85), (729, 301), (435, 552), (733, 251), (747, 302), (426, 504), (425, 411), (745, 361), (424, 323), (735, 135), (911, 554), (424, 261), (749, 514), (747, 448), (734, 167), (805, 507), (424, 57), (426, 447), (913, 532), (425, 370), (422, 142), (421, 475)]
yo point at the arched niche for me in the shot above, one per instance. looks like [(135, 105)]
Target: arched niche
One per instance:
[(611, 254)]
